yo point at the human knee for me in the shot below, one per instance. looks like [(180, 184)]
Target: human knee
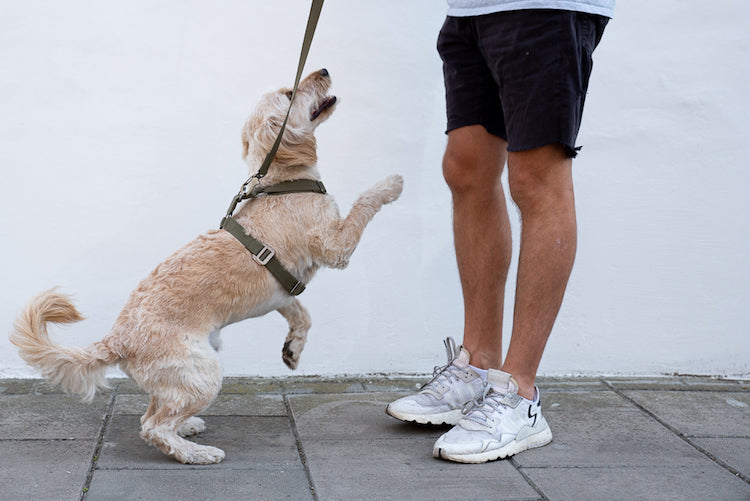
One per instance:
[(540, 183), (465, 172)]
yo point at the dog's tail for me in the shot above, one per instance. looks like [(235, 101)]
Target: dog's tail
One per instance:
[(80, 371)]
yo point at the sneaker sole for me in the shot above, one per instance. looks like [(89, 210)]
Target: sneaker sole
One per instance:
[(448, 417), (537, 440)]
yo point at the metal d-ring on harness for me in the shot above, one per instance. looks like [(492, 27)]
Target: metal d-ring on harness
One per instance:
[(262, 254)]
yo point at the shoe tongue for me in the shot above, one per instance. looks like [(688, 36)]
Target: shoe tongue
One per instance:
[(462, 360), (501, 382)]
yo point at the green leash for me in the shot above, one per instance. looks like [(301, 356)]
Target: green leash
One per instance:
[(249, 185), (262, 254)]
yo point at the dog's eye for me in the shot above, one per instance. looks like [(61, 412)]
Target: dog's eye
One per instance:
[(288, 94)]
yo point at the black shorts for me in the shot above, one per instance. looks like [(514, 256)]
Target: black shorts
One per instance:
[(522, 74)]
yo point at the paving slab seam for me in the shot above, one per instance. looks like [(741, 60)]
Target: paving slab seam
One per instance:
[(681, 435), (528, 480), (72, 439), (721, 436), (607, 467), (300, 448), (100, 441)]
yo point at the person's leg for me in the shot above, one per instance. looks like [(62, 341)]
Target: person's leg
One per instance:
[(541, 185), (473, 162), (472, 165), (510, 412)]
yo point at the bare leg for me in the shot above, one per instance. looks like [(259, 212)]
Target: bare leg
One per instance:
[(472, 166), (541, 184)]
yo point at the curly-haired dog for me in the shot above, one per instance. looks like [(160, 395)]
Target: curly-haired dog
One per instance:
[(167, 333)]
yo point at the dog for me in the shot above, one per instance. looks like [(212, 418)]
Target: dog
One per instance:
[(167, 334)]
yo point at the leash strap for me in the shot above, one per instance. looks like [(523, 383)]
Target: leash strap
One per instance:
[(252, 182), (312, 23), (264, 256)]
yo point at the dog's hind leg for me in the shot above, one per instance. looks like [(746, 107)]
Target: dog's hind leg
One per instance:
[(161, 431), (152, 405), (299, 324), (191, 426), (176, 396)]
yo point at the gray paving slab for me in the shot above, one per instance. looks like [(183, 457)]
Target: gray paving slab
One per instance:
[(652, 383), (404, 469), (16, 386), (734, 451), (224, 405), (51, 417), (257, 443), (603, 429), (547, 385), (199, 485), (665, 483), (317, 385), (395, 384), (355, 451), (715, 384), (44, 469), (245, 385), (699, 413), (614, 438), (342, 416)]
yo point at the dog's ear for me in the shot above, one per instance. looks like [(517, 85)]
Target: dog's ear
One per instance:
[(245, 142)]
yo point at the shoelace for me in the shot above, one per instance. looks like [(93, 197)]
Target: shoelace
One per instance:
[(442, 375), (481, 409)]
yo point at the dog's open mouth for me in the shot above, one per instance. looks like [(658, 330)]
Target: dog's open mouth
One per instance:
[(326, 103)]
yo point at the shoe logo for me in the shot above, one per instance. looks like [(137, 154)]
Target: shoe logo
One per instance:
[(532, 416)]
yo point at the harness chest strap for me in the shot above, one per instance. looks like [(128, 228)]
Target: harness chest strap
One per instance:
[(262, 254)]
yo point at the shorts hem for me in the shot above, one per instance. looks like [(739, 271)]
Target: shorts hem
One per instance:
[(452, 127), (571, 151)]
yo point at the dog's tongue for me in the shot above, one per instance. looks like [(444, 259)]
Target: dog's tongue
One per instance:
[(325, 104)]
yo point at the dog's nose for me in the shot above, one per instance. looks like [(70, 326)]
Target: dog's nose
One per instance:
[(324, 72)]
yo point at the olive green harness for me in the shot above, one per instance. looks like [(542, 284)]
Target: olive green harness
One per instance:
[(262, 253)]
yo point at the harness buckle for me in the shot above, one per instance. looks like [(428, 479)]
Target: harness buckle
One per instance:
[(250, 185), (297, 289), (264, 255)]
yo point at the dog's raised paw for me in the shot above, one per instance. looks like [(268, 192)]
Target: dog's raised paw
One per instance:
[(290, 354), (391, 188)]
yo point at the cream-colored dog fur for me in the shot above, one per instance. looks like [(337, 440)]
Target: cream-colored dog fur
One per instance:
[(166, 336)]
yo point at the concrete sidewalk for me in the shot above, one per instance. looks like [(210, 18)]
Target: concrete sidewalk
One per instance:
[(675, 438)]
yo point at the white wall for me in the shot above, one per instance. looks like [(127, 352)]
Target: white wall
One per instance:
[(119, 142)]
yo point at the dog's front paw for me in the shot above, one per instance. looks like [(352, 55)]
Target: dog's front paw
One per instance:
[(390, 188), (291, 351)]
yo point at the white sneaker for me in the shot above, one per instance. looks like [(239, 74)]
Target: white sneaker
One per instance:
[(498, 424), (440, 400)]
